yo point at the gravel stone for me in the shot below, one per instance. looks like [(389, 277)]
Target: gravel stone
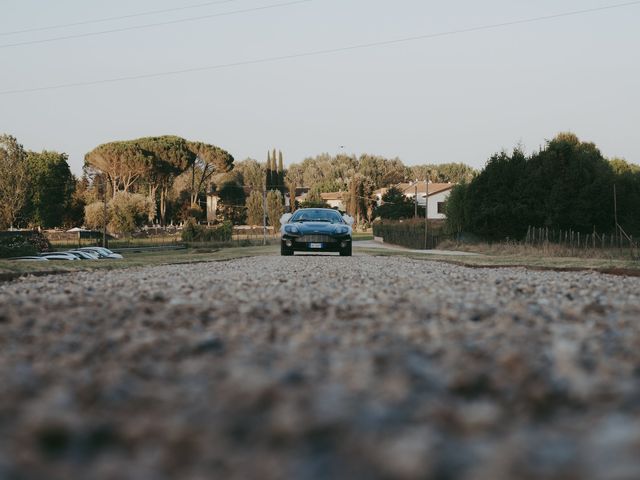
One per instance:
[(317, 367)]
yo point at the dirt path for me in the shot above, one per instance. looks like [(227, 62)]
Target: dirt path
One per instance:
[(320, 367)]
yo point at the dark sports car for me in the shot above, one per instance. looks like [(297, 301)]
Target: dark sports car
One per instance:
[(316, 230)]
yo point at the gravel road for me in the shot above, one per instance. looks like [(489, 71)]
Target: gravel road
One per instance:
[(320, 368)]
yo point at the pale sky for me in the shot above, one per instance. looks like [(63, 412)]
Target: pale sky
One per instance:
[(456, 98)]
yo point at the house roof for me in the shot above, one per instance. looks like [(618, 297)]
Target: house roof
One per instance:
[(409, 188), (212, 191), (332, 195)]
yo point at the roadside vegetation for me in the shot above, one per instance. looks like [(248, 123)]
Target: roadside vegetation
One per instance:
[(568, 185), (530, 260), (549, 250)]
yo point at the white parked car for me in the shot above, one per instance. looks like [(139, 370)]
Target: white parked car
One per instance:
[(29, 259), (59, 256)]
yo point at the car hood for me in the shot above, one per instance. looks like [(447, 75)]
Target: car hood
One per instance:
[(311, 228)]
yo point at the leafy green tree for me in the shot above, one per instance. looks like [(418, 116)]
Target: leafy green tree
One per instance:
[(128, 211), (294, 179), (497, 207), (268, 179), (52, 188), (621, 167), (209, 160), (166, 158), (123, 163), (281, 173), (381, 171), (573, 185), (74, 216), (275, 208), (566, 185), (252, 174), (627, 182), (125, 213), (314, 200), (95, 216), (359, 200), (395, 206), (457, 209), (232, 202), (443, 173), (155, 163), (14, 180), (255, 208)]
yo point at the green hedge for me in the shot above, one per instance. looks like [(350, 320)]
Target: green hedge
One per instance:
[(407, 233), (192, 232), (18, 244)]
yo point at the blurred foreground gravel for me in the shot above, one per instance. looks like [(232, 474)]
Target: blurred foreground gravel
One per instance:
[(320, 368)]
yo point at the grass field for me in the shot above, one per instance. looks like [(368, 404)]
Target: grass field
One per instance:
[(548, 250), (10, 269), (541, 262), (362, 236)]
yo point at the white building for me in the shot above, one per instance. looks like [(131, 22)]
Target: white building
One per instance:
[(438, 195), (334, 199)]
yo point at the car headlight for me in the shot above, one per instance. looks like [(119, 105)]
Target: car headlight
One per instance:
[(291, 229), (342, 230)]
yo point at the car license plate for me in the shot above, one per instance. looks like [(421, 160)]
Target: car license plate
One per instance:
[(315, 245)]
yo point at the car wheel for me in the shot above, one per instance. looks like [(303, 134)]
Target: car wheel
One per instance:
[(346, 252), (285, 252)]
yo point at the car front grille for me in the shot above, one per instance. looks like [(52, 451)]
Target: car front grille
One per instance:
[(316, 239)]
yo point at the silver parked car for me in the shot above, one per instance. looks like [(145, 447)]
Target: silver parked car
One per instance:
[(102, 252), (84, 254)]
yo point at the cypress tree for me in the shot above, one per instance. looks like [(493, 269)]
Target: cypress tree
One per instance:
[(268, 177), (281, 186), (274, 171)]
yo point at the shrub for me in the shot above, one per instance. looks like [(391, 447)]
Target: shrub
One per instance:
[(126, 213), (395, 206), (129, 211), (192, 232), (39, 242), (407, 233), (275, 208), (20, 245), (94, 216)]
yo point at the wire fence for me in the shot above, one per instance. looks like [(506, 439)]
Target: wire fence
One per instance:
[(410, 233), (574, 242), (244, 236)]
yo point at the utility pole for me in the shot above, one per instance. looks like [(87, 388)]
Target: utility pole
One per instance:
[(415, 214), (264, 216), (104, 200), (615, 211), (426, 213)]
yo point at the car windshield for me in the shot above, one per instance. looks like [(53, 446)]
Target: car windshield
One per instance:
[(317, 215)]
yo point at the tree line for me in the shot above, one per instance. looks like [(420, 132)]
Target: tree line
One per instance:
[(36, 188), (165, 179), (357, 177), (567, 185)]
